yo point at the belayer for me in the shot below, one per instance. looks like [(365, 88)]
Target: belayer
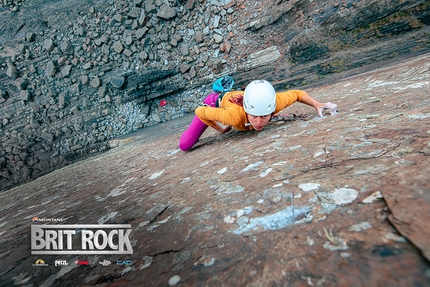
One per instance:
[(243, 110)]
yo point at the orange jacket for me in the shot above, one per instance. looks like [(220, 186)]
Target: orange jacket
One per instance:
[(234, 115)]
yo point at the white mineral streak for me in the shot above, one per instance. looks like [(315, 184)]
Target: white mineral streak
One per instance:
[(373, 197), (360, 226), (174, 280), (309, 186), (274, 221), (157, 174), (107, 217), (344, 195), (266, 172), (251, 166)]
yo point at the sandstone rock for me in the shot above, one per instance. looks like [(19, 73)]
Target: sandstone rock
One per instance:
[(134, 13), (156, 118), (143, 18), (62, 100), (48, 45), (226, 46), (117, 18), (198, 37), (50, 69), (80, 31), (149, 6), (48, 137), (87, 66), (173, 42), (193, 72), (117, 82), (84, 79), (190, 5), (185, 50), (127, 52), (65, 71), (262, 57), (141, 32), (11, 71), (102, 91), (95, 82), (66, 47), (184, 68), (216, 21), (218, 38), (103, 39), (373, 197), (117, 47), (24, 95), (344, 195), (166, 12)]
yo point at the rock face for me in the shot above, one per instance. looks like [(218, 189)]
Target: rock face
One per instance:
[(75, 74), (336, 201)]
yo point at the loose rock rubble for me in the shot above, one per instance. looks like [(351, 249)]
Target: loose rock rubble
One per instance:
[(335, 201)]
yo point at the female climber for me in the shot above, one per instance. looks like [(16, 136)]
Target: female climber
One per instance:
[(245, 110)]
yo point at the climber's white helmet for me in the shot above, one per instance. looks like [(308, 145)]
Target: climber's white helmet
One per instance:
[(259, 98)]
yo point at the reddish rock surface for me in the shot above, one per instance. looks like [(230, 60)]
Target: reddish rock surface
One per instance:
[(336, 201)]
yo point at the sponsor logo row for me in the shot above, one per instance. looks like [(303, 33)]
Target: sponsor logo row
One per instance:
[(41, 262)]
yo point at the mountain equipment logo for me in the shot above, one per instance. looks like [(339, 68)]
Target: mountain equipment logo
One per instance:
[(35, 219), (40, 262)]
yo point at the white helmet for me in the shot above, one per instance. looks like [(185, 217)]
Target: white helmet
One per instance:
[(259, 98)]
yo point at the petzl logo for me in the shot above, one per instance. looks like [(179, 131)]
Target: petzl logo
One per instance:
[(92, 239), (61, 263)]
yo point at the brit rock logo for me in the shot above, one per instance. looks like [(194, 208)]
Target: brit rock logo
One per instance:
[(81, 239)]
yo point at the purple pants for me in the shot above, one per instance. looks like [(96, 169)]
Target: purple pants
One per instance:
[(191, 135)]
